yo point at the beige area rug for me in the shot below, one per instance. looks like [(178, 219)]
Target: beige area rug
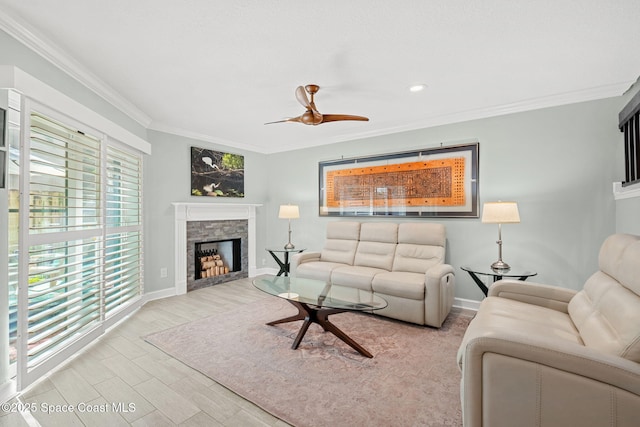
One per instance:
[(412, 380)]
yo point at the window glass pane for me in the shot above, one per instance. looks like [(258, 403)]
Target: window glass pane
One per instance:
[(124, 188), (63, 294), (123, 249), (123, 264), (64, 178)]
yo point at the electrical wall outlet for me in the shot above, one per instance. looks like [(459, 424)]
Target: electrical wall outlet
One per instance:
[(264, 261), (163, 272)]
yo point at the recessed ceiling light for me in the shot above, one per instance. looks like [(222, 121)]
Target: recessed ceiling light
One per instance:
[(417, 88)]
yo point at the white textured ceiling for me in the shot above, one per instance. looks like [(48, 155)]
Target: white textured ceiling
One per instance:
[(219, 70)]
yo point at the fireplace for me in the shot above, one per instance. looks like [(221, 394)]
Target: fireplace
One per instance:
[(216, 252), (197, 222)]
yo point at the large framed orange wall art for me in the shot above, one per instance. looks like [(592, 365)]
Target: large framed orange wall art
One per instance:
[(434, 182)]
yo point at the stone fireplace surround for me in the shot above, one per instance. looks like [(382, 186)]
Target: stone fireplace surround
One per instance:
[(199, 232), (186, 212)]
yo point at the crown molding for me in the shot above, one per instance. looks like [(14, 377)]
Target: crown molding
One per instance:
[(51, 99), (52, 53), (173, 130)]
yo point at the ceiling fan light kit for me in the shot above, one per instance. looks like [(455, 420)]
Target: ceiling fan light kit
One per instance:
[(312, 116)]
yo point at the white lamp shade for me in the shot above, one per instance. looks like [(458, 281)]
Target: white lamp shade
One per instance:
[(500, 212), (289, 212)]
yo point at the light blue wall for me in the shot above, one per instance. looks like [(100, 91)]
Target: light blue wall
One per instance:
[(557, 163), (628, 216), (167, 178)]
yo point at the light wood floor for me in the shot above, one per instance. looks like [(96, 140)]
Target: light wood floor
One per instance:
[(122, 368)]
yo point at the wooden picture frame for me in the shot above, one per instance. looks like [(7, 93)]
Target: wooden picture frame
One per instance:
[(434, 182)]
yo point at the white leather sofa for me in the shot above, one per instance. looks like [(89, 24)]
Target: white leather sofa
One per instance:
[(539, 355), (403, 263)]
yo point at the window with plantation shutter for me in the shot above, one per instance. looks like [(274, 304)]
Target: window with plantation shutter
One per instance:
[(81, 229), (123, 243), (64, 237)]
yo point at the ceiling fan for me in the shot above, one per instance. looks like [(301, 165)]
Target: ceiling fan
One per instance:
[(312, 116)]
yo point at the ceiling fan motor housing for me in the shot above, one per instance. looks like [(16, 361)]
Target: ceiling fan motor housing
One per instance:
[(308, 118), (312, 89)]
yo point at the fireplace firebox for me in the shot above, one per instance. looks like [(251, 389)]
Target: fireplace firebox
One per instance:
[(215, 258)]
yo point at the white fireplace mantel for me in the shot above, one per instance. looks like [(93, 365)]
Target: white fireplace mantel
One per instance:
[(185, 212)]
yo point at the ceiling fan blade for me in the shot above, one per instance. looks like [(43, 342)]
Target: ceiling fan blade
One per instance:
[(301, 96), (290, 119), (341, 117)]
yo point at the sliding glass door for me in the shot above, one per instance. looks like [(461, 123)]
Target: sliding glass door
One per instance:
[(80, 230)]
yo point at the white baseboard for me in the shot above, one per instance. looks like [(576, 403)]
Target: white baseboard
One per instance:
[(467, 304), (266, 270), (170, 292), (163, 293)]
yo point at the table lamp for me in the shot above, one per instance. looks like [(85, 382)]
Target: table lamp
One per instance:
[(500, 213), (289, 212)]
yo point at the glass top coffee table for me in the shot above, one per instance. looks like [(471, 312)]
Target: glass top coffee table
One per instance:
[(316, 300)]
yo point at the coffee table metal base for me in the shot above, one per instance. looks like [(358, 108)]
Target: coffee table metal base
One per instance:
[(320, 316)]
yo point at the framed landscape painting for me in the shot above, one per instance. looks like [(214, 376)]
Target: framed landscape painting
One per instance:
[(216, 174), (434, 182)]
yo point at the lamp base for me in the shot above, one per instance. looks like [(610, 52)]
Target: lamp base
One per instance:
[(289, 246), (500, 265)]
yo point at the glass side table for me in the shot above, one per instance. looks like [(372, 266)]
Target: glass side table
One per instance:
[(283, 263), (514, 272)]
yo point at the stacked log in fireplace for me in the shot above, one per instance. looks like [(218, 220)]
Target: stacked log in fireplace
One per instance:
[(210, 264)]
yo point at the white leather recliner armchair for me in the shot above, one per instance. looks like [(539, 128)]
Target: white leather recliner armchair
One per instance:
[(539, 355)]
